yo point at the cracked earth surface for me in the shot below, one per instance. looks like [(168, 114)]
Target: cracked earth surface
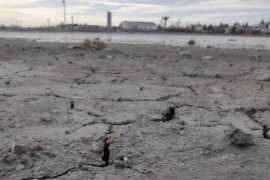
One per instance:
[(166, 113)]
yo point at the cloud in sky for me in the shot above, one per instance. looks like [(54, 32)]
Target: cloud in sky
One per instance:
[(37, 12)]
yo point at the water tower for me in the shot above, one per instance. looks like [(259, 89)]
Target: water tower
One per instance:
[(165, 20)]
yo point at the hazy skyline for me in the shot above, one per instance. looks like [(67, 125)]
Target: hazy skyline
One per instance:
[(36, 12)]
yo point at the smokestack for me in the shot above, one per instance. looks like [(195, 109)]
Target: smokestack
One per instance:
[(64, 4), (109, 20)]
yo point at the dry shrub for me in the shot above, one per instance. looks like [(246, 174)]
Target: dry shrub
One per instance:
[(93, 44)]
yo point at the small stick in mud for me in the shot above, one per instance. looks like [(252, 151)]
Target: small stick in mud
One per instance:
[(106, 156)]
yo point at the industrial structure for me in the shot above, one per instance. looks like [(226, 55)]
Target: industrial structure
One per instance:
[(165, 21), (64, 4), (109, 20), (134, 25)]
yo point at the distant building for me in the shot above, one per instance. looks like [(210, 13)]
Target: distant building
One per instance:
[(262, 28), (196, 28), (133, 25), (109, 20)]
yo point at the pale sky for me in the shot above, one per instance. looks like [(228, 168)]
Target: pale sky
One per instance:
[(37, 12)]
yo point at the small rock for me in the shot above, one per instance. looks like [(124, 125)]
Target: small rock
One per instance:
[(108, 57), (46, 119), (49, 154), (36, 147), (185, 53), (99, 177), (238, 134), (126, 159), (11, 158), (120, 164), (18, 149), (207, 58), (20, 167), (9, 169), (82, 152), (191, 42), (254, 56), (86, 167), (25, 160), (34, 155)]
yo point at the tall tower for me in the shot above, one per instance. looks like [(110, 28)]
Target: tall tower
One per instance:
[(109, 20), (64, 4), (165, 20)]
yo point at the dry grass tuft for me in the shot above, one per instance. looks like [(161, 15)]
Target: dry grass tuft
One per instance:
[(93, 44)]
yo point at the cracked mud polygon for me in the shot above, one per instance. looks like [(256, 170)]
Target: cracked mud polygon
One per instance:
[(166, 113)]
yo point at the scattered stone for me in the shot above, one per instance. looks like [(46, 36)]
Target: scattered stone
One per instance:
[(207, 58), (46, 119), (238, 134), (108, 57), (25, 160), (191, 42), (86, 167), (185, 54), (254, 56), (10, 159), (126, 159), (73, 47), (82, 152), (120, 164), (18, 149), (34, 155), (99, 177), (49, 154), (20, 167), (9, 169), (122, 161), (105, 57)]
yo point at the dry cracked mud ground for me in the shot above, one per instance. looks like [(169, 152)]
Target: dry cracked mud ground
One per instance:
[(167, 113)]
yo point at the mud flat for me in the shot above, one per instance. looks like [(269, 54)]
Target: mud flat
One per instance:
[(166, 112)]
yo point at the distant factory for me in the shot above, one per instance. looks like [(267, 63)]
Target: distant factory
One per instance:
[(133, 25)]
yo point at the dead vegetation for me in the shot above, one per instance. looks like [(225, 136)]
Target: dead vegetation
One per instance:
[(95, 44)]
